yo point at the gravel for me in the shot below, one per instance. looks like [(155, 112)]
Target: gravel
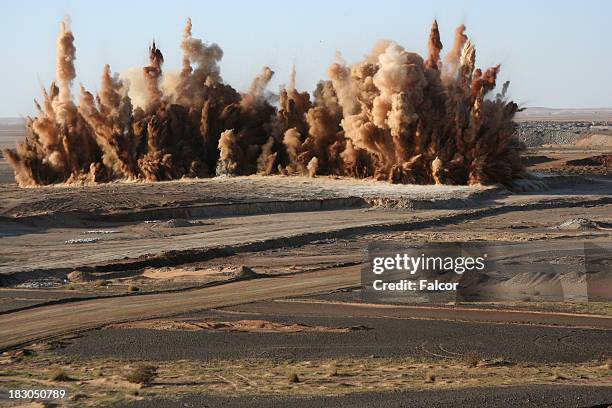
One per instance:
[(540, 133)]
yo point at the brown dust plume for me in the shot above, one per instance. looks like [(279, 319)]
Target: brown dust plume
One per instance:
[(393, 116)]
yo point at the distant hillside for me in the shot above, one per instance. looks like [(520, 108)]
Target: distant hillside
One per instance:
[(12, 121), (537, 113), (12, 130)]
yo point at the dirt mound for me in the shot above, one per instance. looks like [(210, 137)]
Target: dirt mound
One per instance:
[(177, 223), (595, 140), (253, 326), (604, 160), (584, 224), (536, 159), (532, 278), (187, 272), (80, 277), (528, 185), (540, 133), (243, 272)]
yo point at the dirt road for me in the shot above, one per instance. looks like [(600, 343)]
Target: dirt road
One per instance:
[(48, 321), (54, 320)]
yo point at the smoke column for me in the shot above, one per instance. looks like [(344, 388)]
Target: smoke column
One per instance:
[(393, 116)]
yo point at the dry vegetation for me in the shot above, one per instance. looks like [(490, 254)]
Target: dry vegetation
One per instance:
[(143, 374), (60, 375), (293, 377), (107, 379), (471, 359)]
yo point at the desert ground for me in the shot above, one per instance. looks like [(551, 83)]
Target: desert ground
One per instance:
[(246, 291)]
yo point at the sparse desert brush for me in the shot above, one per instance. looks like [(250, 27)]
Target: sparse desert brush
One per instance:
[(101, 282), (430, 377), (143, 374), (293, 377), (333, 371), (59, 375), (23, 353), (608, 364), (471, 359), (133, 288), (78, 396)]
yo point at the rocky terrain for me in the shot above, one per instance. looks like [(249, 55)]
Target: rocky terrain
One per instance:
[(538, 133)]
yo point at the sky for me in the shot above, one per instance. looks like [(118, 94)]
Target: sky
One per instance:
[(555, 53)]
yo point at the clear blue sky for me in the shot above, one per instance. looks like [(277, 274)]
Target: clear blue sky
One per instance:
[(555, 53)]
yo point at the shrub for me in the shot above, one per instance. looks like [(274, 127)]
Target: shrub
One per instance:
[(293, 377), (471, 359), (60, 375), (333, 371), (142, 374), (430, 377), (133, 288)]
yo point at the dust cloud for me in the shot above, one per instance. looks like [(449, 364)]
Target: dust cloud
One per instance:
[(393, 116)]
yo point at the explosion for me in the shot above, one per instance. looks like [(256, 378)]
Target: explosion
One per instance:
[(393, 116)]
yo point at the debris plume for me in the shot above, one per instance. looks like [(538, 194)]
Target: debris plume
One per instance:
[(394, 116)]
